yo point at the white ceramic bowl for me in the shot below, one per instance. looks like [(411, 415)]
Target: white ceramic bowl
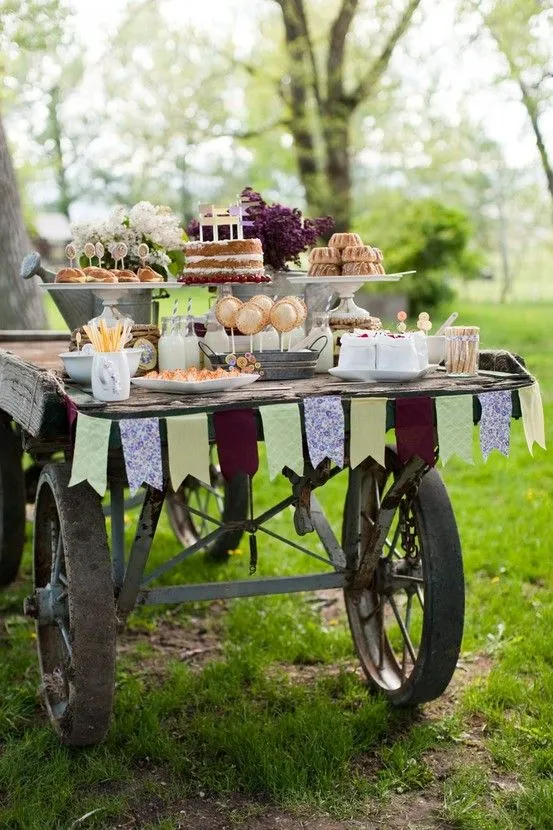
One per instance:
[(436, 348), (79, 366)]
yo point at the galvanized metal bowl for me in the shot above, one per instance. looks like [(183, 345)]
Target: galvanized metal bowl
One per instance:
[(277, 365)]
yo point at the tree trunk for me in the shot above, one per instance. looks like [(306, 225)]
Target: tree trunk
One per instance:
[(532, 109), (22, 306), (64, 197), (338, 170)]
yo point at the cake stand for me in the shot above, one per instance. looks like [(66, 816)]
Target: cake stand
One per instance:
[(110, 292), (347, 311)]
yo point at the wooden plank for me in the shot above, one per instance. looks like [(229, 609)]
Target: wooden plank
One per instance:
[(30, 396)]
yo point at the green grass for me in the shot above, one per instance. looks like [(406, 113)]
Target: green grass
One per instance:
[(245, 724)]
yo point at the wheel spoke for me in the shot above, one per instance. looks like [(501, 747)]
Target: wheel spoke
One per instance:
[(365, 618), (408, 578), (65, 637), (392, 545), (407, 625), (56, 562), (403, 630), (420, 597), (381, 634)]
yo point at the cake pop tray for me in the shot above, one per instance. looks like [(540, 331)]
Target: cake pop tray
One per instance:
[(277, 365)]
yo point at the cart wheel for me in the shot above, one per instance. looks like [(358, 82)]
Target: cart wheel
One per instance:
[(74, 606), (225, 501), (408, 625), (12, 504)]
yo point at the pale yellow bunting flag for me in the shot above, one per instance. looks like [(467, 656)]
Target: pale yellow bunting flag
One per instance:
[(188, 448), (367, 430), (532, 415), (90, 456)]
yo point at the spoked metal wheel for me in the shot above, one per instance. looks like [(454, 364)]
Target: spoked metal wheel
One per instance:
[(408, 624), (224, 501), (73, 603), (12, 504)]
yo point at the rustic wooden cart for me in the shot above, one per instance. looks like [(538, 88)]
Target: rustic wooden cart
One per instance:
[(398, 560)]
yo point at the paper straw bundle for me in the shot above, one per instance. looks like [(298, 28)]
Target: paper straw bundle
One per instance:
[(462, 350), (106, 339)]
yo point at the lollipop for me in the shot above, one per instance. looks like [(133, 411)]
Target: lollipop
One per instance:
[(89, 251), (143, 252), (299, 305), (70, 253), (99, 251), (402, 317), (263, 302), (423, 323), (284, 316), (226, 309), (250, 319)]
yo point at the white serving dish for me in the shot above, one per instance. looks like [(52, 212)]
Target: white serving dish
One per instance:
[(79, 366), (379, 375), (186, 387)]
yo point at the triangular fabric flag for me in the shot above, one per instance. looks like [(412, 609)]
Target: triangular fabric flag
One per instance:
[(188, 448), (283, 440), (454, 417), (325, 429), (72, 413), (495, 422), (236, 435), (90, 455), (142, 451), (367, 430), (415, 433), (532, 415)]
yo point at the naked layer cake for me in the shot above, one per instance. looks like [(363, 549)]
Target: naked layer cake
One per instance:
[(229, 260)]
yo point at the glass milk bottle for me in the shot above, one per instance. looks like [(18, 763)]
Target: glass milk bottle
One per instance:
[(321, 328), (216, 337), (191, 346), (171, 345)]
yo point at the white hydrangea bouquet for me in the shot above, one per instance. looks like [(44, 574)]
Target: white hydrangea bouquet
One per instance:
[(154, 225)]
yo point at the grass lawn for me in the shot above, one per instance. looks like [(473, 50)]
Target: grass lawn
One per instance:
[(252, 713)]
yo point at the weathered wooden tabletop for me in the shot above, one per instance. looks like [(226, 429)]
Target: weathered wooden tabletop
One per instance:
[(31, 379)]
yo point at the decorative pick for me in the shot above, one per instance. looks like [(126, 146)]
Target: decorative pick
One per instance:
[(143, 252), (89, 252), (78, 338), (402, 317), (423, 323), (71, 253), (100, 251)]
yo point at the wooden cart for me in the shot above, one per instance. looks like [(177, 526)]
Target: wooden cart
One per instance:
[(398, 560)]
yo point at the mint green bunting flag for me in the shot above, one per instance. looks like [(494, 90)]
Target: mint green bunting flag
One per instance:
[(90, 456), (455, 426), (283, 440)]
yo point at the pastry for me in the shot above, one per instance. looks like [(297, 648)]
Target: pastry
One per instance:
[(70, 275), (225, 311), (284, 316), (359, 253), (264, 302), (359, 269), (379, 268), (379, 255), (229, 260), (148, 274), (125, 275), (94, 274), (298, 304), (325, 255), (250, 319), (344, 240), (320, 269)]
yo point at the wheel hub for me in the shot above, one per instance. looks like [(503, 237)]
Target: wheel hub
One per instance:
[(392, 575), (47, 605)]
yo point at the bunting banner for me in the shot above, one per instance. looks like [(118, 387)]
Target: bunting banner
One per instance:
[(532, 415), (454, 418), (188, 448), (283, 439), (415, 429), (367, 430), (325, 429), (90, 454), (495, 422), (236, 435), (142, 451)]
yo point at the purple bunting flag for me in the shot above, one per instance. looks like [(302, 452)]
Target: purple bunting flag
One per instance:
[(236, 436), (495, 422), (324, 428), (142, 451), (415, 434)]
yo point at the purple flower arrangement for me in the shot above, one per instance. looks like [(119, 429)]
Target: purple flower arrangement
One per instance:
[(283, 231)]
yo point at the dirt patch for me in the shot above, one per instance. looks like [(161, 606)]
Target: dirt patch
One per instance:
[(193, 643)]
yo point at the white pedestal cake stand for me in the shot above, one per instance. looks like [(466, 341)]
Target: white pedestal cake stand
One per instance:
[(346, 310)]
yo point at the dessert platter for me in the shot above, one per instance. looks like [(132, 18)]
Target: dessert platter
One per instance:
[(192, 381)]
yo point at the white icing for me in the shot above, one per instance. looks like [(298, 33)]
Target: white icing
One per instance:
[(222, 243), (248, 257), (382, 350), (199, 271)]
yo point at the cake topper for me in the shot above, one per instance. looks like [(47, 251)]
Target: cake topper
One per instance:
[(215, 217), (423, 323), (89, 251), (143, 252), (100, 251), (402, 317), (70, 253), (119, 252)]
